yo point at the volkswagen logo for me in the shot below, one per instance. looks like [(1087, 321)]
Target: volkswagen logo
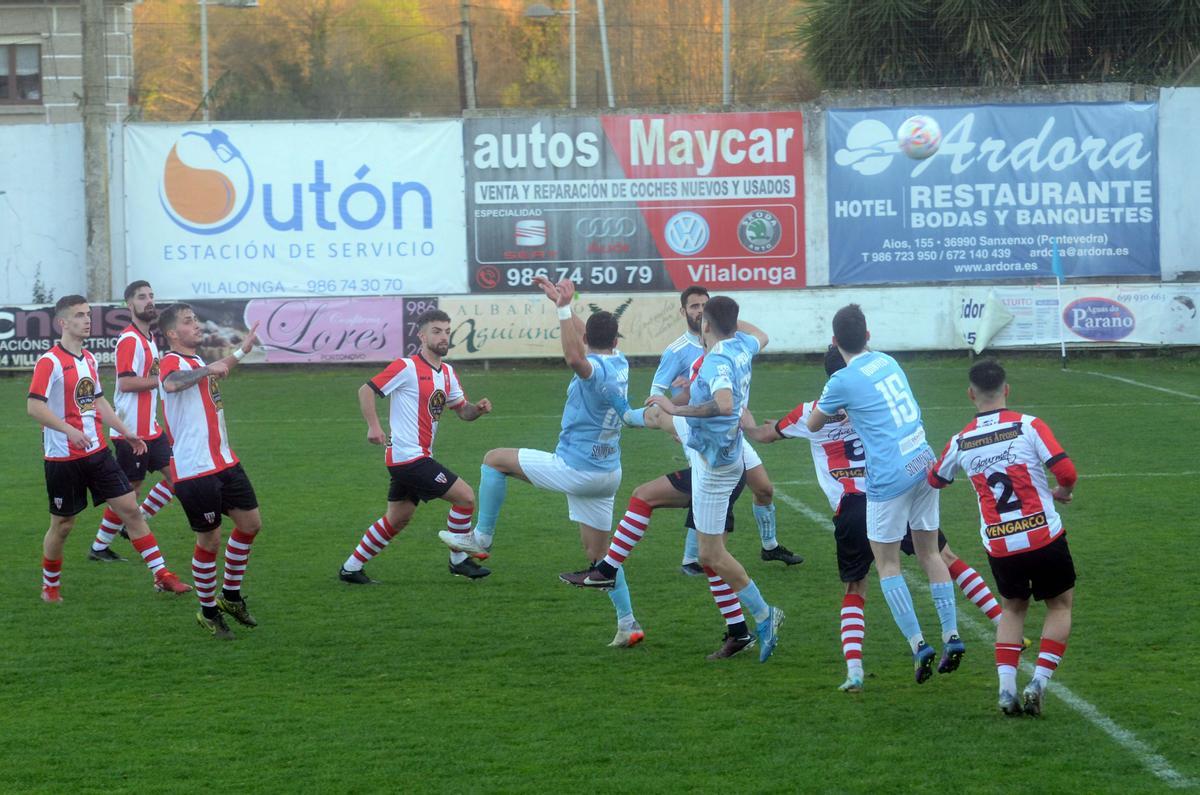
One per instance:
[(606, 226), (686, 233)]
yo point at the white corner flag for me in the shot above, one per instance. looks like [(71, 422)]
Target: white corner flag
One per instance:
[(995, 316)]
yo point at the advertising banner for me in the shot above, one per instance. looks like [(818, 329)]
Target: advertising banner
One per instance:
[(308, 208), (1003, 182), (497, 327), (1163, 314), (636, 202), (291, 330)]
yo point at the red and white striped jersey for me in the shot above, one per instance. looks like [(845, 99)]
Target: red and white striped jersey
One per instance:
[(195, 422), (1003, 453), (837, 453), (419, 392), (137, 355), (70, 386)]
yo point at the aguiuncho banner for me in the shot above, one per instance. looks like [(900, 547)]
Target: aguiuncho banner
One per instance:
[(646, 202), (1006, 181)]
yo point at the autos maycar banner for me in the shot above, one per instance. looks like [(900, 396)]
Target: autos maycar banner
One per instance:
[(1004, 181), (636, 202), (306, 208)]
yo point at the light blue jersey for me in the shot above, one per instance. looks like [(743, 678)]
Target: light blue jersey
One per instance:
[(726, 366), (676, 361), (874, 391), (590, 438)]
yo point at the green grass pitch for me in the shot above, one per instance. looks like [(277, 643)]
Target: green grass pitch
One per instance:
[(434, 683)]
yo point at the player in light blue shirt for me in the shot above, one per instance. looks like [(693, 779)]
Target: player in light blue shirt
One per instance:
[(671, 379), (586, 464), (874, 391), (713, 433)]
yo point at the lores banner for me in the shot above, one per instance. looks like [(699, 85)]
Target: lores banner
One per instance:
[(291, 330), (241, 210), (1005, 180), (636, 202)]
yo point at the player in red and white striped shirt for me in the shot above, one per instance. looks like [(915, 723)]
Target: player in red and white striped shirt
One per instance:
[(1004, 453), (420, 388), (840, 462), (209, 479), (65, 396), (136, 400)]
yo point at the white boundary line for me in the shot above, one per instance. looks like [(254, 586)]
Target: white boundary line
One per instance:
[(1138, 383), (1085, 476), (1154, 762)]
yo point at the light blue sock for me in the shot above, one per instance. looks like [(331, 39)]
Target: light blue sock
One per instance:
[(753, 601), (493, 485), (620, 597), (943, 600), (765, 516), (895, 591), (691, 547), (635, 417)]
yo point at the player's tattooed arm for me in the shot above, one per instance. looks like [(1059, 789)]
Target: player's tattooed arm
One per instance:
[(183, 379), (473, 411), (721, 405)]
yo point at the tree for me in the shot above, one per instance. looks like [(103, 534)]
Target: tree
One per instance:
[(898, 43)]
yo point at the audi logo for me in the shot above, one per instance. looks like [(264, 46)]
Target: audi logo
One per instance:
[(606, 226)]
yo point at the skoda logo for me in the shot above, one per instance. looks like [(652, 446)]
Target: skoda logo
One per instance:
[(759, 231), (606, 226), (686, 233)]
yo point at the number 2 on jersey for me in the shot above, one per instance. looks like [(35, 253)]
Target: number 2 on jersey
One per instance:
[(899, 399)]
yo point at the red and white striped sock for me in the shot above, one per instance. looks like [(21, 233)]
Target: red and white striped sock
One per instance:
[(459, 519), (204, 575), (372, 543), (110, 525), (629, 531), (727, 602), (1008, 658), (854, 629), (159, 497), (51, 572), (237, 555), (975, 589), (1050, 654), (148, 548)]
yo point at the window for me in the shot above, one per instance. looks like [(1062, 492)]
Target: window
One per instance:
[(20, 74)]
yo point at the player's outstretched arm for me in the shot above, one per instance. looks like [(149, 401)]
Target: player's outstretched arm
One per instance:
[(754, 331), (180, 380), (42, 413), (570, 327), (720, 405), (473, 411), (366, 404), (817, 420)]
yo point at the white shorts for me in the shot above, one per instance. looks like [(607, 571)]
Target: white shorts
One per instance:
[(590, 495), (889, 520), (711, 490), (750, 456)]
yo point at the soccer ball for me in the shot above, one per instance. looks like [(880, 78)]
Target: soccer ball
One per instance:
[(919, 137)]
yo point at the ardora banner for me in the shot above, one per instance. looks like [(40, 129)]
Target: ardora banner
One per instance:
[(1004, 182), (636, 202), (252, 210)]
